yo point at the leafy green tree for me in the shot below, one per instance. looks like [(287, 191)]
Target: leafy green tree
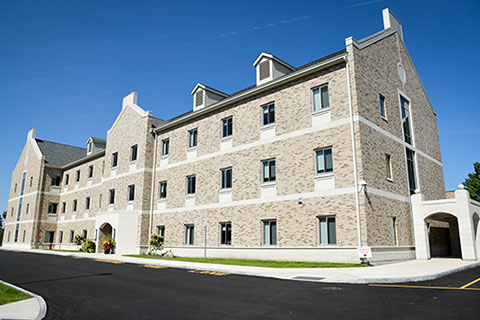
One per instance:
[(472, 183), (2, 219)]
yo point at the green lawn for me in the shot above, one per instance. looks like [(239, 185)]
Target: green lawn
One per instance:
[(257, 263), (77, 251), (9, 294)]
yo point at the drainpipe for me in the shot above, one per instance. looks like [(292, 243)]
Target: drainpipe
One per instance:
[(37, 209), (354, 152), (152, 194)]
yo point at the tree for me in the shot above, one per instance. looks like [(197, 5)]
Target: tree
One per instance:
[(472, 183), (2, 219)]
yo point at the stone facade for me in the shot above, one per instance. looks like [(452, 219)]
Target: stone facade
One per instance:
[(299, 197)]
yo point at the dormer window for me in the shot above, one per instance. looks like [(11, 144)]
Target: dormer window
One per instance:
[(204, 96), (90, 147), (270, 67)]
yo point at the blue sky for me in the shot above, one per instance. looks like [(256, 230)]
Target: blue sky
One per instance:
[(67, 64)]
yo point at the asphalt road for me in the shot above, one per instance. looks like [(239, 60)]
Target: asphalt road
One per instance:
[(87, 289)]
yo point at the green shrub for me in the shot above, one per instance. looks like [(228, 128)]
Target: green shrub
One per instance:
[(79, 239), (88, 246)]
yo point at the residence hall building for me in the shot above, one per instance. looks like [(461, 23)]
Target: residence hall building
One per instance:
[(308, 164)]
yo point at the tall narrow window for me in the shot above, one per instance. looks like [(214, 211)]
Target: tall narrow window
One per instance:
[(100, 200), (90, 172), (165, 147), (87, 203), (324, 160), (15, 188), (192, 138), (268, 113), (64, 207), (67, 178), (114, 159), (189, 234), (84, 233), (133, 152), (28, 208), (327, 230), (226, 178), (388, 166), (227, 127), (264, 70), (60, 237), (111, 200), (320, 98), (72, 234), (31, 181), (412, 180), (78, 175), (191, 184), (226, 233), (131, 192), (383, 112), (161, 231), (405, 106), (269, 170), (394, 231), (163, 189), (24, 177), (269, 232), (74, 206)]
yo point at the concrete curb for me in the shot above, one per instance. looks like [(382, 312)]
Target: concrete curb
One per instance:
[(41, 302)]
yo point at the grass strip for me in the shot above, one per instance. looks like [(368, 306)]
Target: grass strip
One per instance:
[(9, 294)]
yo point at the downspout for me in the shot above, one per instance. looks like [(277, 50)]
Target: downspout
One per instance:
[(152, 194), (354, 152), (37, 208)]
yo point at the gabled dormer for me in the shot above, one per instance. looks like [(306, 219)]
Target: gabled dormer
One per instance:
[(270, 67), (203, 96), (95, 144)]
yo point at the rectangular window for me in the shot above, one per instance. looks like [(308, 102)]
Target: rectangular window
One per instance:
[(226, 233), (114, 159), (11, 213), (52, 208), (131, 192), (28, 207), (64, 207), (78, 175), (111, 200), (412, 181), (405, 106), (394, 231), (227, 127), (87, 203), (60, 237), (192, 138), (388, 166), (165, 147), (327, 230), (84, 233), (24, 234), (268, 113), (100, 200), (269, 170), (191, 184), (31, 181), (90, 172), (324, 160), (226, 178), (320, 98), (382, 106), (24, 177), (163, 189), (67, 178), (269, 232), (72, 235), (161, 231), (75, 206), (56, 180), (133, 153), (15, 188), (189, 233)]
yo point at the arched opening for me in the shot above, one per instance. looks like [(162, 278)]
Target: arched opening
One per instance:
[(476, 232), (104, 230), (443, 235)]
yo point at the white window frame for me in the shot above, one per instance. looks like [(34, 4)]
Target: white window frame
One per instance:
[(193, 138), (325, 172), (222, 178), (319, 88), (264, 238), (319, 231), (189, 238)]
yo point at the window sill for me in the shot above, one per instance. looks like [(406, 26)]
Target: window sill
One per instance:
[(165, 156), (226, 190), (268, 184), (267, 127), (190, 196), (226, 139), (192, 149), (390, 180), (321, 111), (133, 162), (325, 175), (162, 200)]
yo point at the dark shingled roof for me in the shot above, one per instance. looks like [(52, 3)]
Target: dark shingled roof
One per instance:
[(58, 155), (158, 122)]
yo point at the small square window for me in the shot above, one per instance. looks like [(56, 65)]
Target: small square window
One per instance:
[(165, 147), (226, 175), (268, 113), (52, 208), (192, 138), (191, 184), (133, 152), (269, 170), (163, 189), (56, 180)]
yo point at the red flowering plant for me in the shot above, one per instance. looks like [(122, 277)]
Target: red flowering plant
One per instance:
[(109, 243)]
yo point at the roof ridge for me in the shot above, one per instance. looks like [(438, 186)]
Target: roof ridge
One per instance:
[(59, 143)]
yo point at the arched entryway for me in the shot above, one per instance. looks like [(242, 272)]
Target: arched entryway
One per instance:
[(104, 230), (443, 235)]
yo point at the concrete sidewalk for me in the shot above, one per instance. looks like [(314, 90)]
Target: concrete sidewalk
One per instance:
[(413, 270), (34, 308)]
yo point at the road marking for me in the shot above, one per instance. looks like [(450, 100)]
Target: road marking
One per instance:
[(77, 257), (153, 267), (213, 273), (421, 287), (109, 261), (469, 284)]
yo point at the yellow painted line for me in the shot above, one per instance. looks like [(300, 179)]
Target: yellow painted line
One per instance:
[(421, 287), (109, 261), (213, 273), (469, 284), (153, 267), (77, 257)]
